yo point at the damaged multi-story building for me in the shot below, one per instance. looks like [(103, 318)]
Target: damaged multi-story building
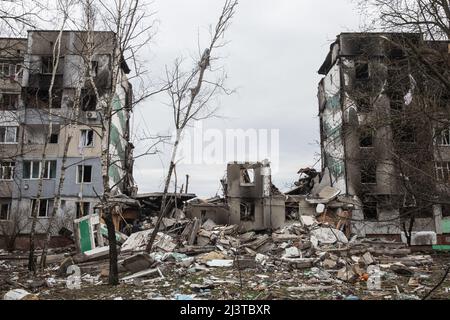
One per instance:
[(29, 127), (385, 135)]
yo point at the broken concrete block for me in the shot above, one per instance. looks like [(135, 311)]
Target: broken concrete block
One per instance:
[(187, 262), (346, 274), (358, 270), (245, 263), (261, 259), (64, 265), (138, 262), (300, 263), (214, 255), (209, 225), (220, 263), (367, 259), (329, 264), (329, 236), (97, 253), (151, 272), (292, 252), (19, 294), (401, 269), (308, 221)]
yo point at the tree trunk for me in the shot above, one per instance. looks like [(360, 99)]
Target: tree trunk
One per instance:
[(56, 205), (113, 267), (166, 190)]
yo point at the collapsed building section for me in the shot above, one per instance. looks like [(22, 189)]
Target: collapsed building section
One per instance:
[(251, 200)]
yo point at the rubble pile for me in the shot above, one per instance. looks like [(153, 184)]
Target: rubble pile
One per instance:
[(194, 260)]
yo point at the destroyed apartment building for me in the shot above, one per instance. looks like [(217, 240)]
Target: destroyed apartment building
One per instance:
[(385, 138), (28, 127), (338, 228)]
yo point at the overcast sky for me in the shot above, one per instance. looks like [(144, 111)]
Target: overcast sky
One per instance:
[(275, 50)]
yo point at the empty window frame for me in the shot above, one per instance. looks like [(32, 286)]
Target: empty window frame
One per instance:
[(87, 138), (5, 210), (405, 133), (44, 207), (84, 174), (362, 71), (7, 169), (53, 139), (9, 101), (247, 177), (8, 70), (247, 211), (94, 68), (366, 138), (39, 98), (47, 65), (363, 103), (83, 209), (442, 137), (32, 170), (370, 211), (8, 135), (89, 102), (369, 172), (443, 171)]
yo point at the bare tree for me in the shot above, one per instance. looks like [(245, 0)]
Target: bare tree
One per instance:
[(64, 5), (191, 94)]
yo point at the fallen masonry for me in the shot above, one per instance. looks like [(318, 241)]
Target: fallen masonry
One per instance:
[(300, 260)]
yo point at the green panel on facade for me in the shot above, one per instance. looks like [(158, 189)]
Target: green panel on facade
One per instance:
[(85, 235), (441, 248), (446, 226)]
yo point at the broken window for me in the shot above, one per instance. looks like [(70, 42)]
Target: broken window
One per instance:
[(361, 71), (87, 138), (39, 98), (8, 135), (366, 138), (363, 103), (44, 207), (47, 65), (442, 137), (94, 68), (247, 211), (89, 102), (247, 176), (83, 209), (397, 100), (5, 208), (445, 210), (369, 172), (84, 174), (7, 170), (7, 70), (370, 210), (9, 101), (443, 171), (405, 133), (53, 139)]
